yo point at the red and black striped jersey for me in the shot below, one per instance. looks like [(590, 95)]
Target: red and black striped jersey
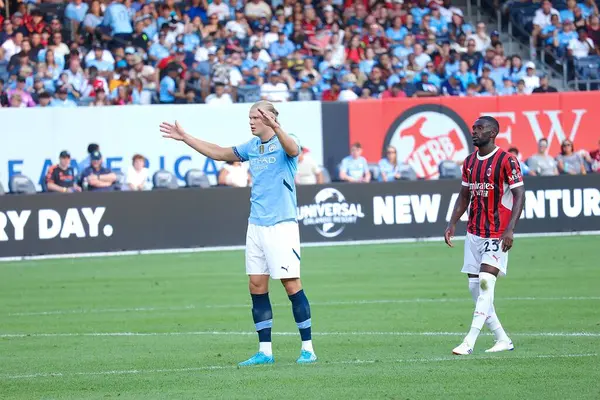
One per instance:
[(490, 180)]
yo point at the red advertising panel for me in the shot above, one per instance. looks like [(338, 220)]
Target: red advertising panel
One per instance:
[(427, 131)]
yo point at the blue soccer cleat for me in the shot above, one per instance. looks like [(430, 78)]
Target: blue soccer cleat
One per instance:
[(306, 357), (257, 359)]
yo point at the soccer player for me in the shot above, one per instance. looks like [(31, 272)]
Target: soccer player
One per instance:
[(273, 238), (492, 185)]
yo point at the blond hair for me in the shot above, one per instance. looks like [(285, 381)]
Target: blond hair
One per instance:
[(266, 106)]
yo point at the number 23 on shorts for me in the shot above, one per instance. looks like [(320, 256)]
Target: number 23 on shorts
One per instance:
[(492, 245)]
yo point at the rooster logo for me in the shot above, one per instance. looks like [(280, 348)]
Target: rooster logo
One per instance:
[(424, 136)]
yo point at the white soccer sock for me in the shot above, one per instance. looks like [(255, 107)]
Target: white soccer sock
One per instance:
[(485, 300), (307, 345), (492, 321), (266, 348), (495, 326)]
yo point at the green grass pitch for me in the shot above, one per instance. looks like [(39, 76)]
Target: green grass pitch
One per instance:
[(385, 319)]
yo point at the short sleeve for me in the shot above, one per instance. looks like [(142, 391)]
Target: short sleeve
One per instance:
[(465, 176), (295, 139), (242, 151), (344, 165), (512, 172)]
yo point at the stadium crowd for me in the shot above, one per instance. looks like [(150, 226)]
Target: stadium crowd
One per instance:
[(122, 52)]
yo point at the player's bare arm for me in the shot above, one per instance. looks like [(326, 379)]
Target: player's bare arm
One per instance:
[(289, 145), (459, 209), (210, 150), (518, 204)]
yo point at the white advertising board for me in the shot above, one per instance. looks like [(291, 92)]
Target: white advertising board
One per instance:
[(31, 139)]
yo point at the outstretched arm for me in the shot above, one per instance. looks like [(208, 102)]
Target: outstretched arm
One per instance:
[(459, 209), (210, 150)]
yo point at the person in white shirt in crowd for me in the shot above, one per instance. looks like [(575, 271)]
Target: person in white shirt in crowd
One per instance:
[(234, 174), (531, 80), (583, 46), (138, 177), (256, 9), (309, 172), (480, 37), (388, 166), (354, 168), (421, 58), (219, 8), (219, 96), (542, 19), (347, 94), (274, 90)]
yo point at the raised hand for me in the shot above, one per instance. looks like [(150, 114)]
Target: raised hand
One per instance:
[(171, 131), (268, 119)]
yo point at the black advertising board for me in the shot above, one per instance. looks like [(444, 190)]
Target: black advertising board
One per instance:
[(54, 224)]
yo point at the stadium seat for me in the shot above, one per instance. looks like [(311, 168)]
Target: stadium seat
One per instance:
[(164, 179), (121, 182), (1, 189), (407, 173), (375, 171), (20, 184), (196, 178), (326, 175), (449, 170), (248, 94)]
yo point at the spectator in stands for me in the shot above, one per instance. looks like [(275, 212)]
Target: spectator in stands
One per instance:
[(45, 100), (96, 177), (541, 163), (309, 172), (531, 80), (354, 168), (168, 86), (61, 177), (425, 88), (508, 87), (521, 89), (333, 93), (515, 152), (569, 162), (545, 86), (542, 19), (595, 159), (219, 96), (274, 90), (75, 12), (480, 37), (388, 166), (61, 99), (234, 174), (21, 92), (453, 86), (87, 161), (594, 30), (138, 177), (583, 46)]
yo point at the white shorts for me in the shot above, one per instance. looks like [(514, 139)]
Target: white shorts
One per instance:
[(479, 251), (273, 250)]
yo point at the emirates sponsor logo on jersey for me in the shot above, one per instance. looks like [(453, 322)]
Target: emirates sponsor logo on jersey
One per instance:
[(426, 135), (480, 189)]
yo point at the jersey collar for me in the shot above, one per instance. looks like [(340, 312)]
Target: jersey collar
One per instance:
[(487, 156)]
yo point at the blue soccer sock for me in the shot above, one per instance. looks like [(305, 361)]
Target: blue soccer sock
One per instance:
[(301, 310), (262, 313)]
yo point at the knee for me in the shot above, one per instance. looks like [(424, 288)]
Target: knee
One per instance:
[(292, 286), (258, 286)]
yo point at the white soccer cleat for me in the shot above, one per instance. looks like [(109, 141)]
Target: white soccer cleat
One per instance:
[(501, 345), (463, 349)]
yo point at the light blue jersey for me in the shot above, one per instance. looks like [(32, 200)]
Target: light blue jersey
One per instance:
[(273, 198), (354, 167)]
